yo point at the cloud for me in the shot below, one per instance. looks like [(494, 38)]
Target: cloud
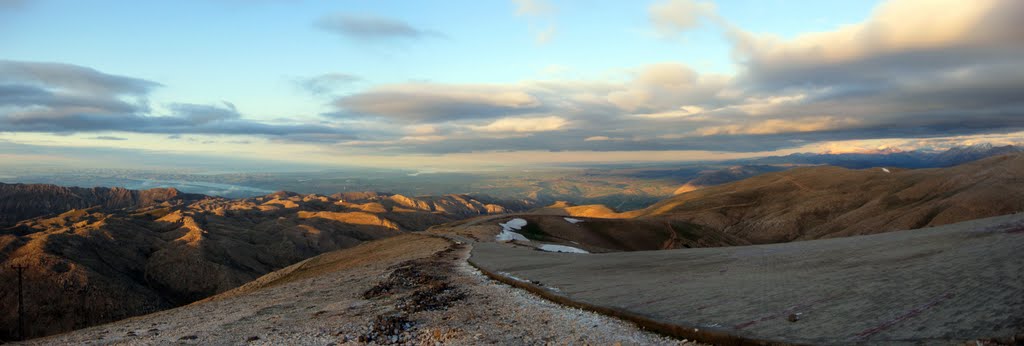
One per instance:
[(73, 79), (533, 7), (63, 98), (777, 126), (521, 125), (602, 138), (891, 76), (428, 102), (326, 83), (109, 138), (545, 36), (205, 114), (903, 39), (541, 18), (366, 27), (673, 16)]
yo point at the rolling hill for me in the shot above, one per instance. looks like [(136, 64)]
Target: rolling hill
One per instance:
[(826, 201), (114, 253)]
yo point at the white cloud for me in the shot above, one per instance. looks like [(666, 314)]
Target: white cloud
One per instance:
[(673, 16), (533, 7), (682, 111), (602, 138), (545, 36), (520, 125)]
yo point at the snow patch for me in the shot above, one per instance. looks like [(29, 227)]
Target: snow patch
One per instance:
[(513, 277), (561, 248), (572, 220), (886, 170), (508, 230)]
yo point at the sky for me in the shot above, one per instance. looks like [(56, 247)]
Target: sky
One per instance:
[(464, 84)]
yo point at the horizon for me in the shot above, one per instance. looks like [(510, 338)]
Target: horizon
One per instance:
[(497, 85)]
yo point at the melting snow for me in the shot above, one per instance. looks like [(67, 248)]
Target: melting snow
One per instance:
[(561, 248), (886, 170), (572, 220), (508, 228)]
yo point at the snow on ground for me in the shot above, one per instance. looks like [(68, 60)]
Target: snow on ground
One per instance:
[(572, 220), (561, 248), (508, 230), (886, 170)]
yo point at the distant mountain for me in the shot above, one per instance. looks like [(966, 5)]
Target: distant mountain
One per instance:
[(115, 253), (828, 201), (908, 159), (24, 201)]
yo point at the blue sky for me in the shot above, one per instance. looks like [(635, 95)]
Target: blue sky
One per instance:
[(455, 82)]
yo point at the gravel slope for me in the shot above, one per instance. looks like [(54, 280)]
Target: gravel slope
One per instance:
[(942, 285)]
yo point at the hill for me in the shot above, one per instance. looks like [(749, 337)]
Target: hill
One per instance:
[(135, 252), (826, 201), (727, 175), (25, 201)]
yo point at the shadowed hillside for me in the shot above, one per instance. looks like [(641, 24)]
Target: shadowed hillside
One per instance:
[(25, 201), (98, 264)]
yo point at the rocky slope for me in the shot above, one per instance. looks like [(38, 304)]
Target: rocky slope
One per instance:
[(826, 201), (25, 201), (142, 251)]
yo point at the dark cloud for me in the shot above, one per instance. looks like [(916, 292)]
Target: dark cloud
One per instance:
[(424, 102), (62, 98), (73, 78), (371, 27), (204, 114)]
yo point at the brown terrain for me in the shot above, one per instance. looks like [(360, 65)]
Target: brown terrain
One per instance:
[(825, 201), (722, 176), (24, 201), (137, 252), (412, 289)]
